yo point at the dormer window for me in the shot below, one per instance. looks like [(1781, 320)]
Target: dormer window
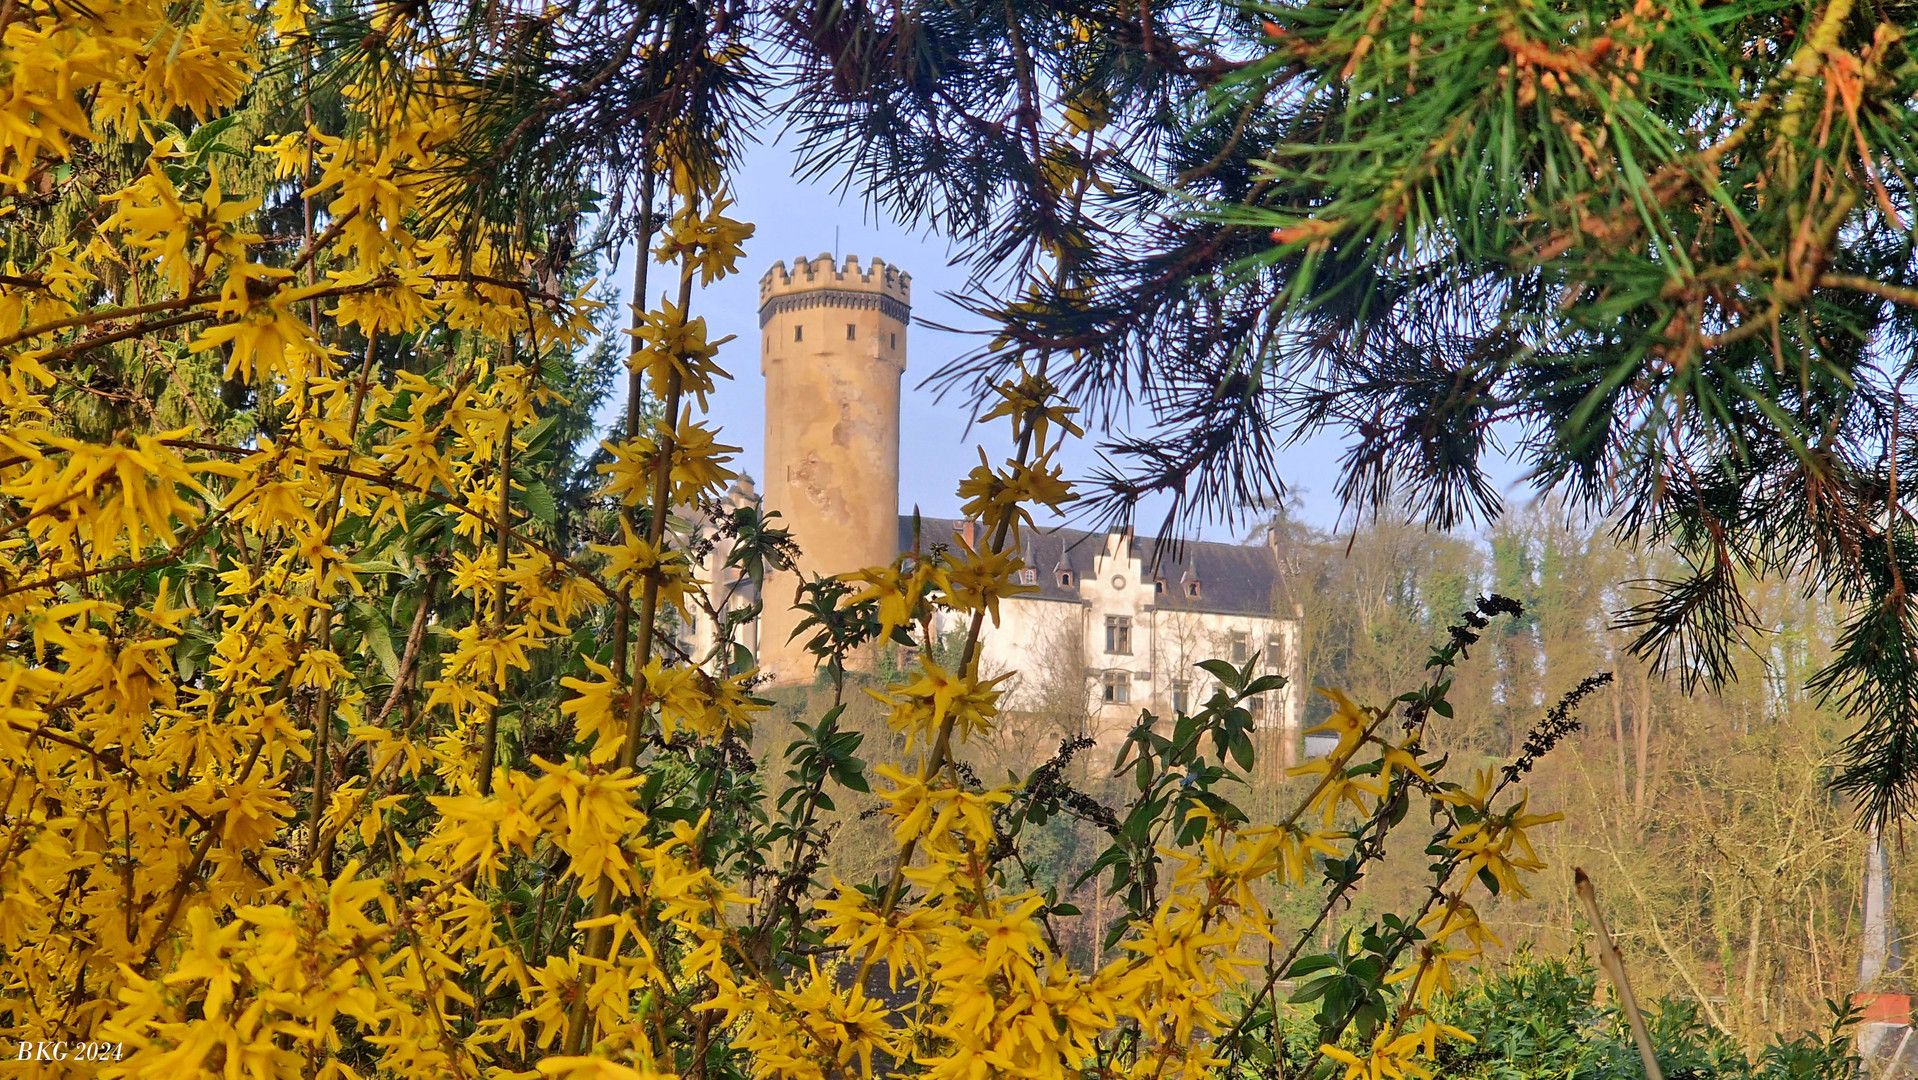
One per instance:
[(1192, 590), (1158, 587), (1065, 579)]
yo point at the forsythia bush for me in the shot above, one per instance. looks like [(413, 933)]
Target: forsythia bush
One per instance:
[(324, 753)]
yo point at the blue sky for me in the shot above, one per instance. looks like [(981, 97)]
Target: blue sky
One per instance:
[(796, 219)]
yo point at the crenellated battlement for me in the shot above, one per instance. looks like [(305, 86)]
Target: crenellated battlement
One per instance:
[(808, 275)]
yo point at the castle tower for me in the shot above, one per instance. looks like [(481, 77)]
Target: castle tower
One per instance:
[(832, 348)]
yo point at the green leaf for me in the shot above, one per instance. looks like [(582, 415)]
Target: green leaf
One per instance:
[(163, 128), (378, 638), (1242, 749), (1227, 675), (1265, 683), (204, 135), (851, 776), (1182, 736), (1312, 991), (534, 437), (1306, 965), (538, 500), (1112, 856)]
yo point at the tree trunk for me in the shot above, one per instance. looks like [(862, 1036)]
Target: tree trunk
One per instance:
[(1618, 742), (1751, 965), (1818, 990), (1877, 956), (1098, 925), (1642, 729)]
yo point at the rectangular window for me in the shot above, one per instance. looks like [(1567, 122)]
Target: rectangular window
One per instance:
[(895, 341), (1118, 687), (799, 333), (850, 333), (1239, 640), (1119, 634), (1275, 652), (1256, 704), (1181, 697)]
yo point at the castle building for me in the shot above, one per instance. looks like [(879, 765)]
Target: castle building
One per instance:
[(1115, 624)]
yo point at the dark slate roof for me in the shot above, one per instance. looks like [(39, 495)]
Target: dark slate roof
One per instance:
[(1234, 579)]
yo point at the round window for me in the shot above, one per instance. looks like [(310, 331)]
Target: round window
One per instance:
[(1118, 582)]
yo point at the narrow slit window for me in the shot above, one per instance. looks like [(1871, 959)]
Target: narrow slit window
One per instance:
[(799, 333), (851, 331)]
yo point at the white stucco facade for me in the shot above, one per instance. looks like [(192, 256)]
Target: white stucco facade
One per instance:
[(1134, 639), (1107, 633)]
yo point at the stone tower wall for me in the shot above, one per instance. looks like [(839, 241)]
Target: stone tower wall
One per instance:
[(833, 349)]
